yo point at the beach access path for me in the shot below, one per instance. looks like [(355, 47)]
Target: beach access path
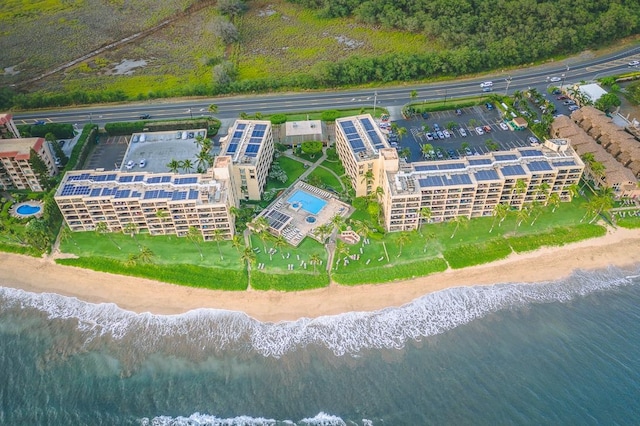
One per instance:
[(620, 247)]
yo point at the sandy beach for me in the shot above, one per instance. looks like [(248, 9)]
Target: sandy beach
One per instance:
[(619, 248)]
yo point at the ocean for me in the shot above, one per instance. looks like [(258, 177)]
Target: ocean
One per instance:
[(563, 352)]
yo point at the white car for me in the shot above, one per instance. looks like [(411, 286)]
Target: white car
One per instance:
[(555, 79), (486, 84), (143, 163), (634, 63), (504, 126), (446, 133), (129, 165), (463, 132), (479, 131)]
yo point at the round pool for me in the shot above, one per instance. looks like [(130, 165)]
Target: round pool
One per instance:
[(310, 219), (27, 209), (295, 205)]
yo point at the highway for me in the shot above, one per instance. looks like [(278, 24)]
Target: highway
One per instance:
[(570, 71)]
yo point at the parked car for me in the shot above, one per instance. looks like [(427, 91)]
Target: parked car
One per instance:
[(479, 131), (468, 151), (561, 98), (555, 79), (452, 154), (446, 133), (129, 165), (463, 132), (57, 161), (569, 102), (61, 143), (39, 122), (487, 89), (556, 92), (458, 112), (534, 141), (429, 136), (489, 105), (440, 135), (145, 116), (425, 115), (143, 163), (439, 153), (486, 84), (436, 127), (634, 63), (486, 129), (504, 126), (573, 107)]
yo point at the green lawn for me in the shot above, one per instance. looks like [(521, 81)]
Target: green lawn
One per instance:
[(335, 165), (326, 177), (293, 169)]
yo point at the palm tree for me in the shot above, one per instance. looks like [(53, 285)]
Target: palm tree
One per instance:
[(213, 109), (405, 152), (162, 215), (337, 221), (402, 131), (522, 215), (427, 237), (194, 235), (203, 160), (65, 234), (542, 189), (500, 211), (368, 178), (261, 225), (218, 235), (199, 141), (279, 242), (425, 213), (574, 190), (132, 229), (341, 250), (361, 228), (146, 255), (459, 221), (554, 200), (536, 211), (413, 95), (102, 228), (323, 231), (403, 239), (132, 259), (315, 259), (173, 166), (248, 256), (186, 165), (236, 242), (426, 149)]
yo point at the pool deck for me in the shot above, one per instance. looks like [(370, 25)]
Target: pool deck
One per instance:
[(298, 228), (14, 209)]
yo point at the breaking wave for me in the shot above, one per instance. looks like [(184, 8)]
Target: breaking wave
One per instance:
[(208, 330), (197, 419)]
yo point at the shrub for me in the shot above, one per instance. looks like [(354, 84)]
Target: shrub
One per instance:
[(402, 271), (289, 281), (555, 237), (476, 254)]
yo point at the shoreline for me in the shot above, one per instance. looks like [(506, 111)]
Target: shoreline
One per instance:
[(620, 248)]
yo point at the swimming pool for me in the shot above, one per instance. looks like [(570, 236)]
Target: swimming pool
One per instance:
[(28, 209), (309, 203)]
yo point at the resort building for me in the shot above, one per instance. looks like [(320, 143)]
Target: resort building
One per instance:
[(250, 146), (8, 129), (593, 133), (160, 203), (361, 146), (474, 186), (16, 171)]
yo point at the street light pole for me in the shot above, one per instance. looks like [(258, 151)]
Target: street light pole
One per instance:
[(191, 113), (508, 80), (375, 101), (563, 77)]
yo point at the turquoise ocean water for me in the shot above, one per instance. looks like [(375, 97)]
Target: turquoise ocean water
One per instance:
[(564, 352)]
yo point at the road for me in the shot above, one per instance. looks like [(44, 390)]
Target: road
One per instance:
[(570, 71)]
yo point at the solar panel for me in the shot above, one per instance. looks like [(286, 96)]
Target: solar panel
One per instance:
[(135, 194), (516, 170), (252, 148), (193, 194), (95, 192), (233, 147), (179, 195), (111, 177), (366, 123), (480, 161), (138, 178), (165, 179), (186, 180), (277, 219), (375, 139), (257, 141), (451, 166), (462, 179), (262, 127), (123, 193), (257, 134), (539, 166), (486, 175), (241, 126), (238, 134), (357, 145), (505, 157), (425, 167), (100, 178), (564, 163), (531, 153), (82, 176), (154, 179), (430, 181), (149, 195), (127, 178)]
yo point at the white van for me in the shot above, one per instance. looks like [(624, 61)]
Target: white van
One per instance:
[(486, 84)]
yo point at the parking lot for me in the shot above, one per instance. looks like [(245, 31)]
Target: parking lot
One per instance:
[(472, 131)]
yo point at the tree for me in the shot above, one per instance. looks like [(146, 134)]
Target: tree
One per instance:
[(314, 260), (186, 165), (132, 229), (39, 169), (213, 109), (413, 95), (361, 228), (500, 212), (426, 149), (248, 257), (542, 189), (337, 221), (146, 255), (405, 152), (231, 7), (261, 225), (341, 250), (236, 242), (459, 221), (203, 161), (195, 236), (57, 149), (554, 200), (311, 148), (536, 211), (403, 239), (401, 132), (574, 190), (218, 235), (225, 30), (368, 179), (103, 229), (323, 231), (425, 213), (37, 235), (174, 166), (522, 215), (279, 242)]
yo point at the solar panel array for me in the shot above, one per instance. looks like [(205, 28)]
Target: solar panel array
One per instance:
[(505, 157), (369, 127), (124, 179), (157, 193), (516, 170), (179, 196), (185, 180), (440, 166), (83, 176), (425, 167), (539, 166), (350, 131), (480, 161), (445, 180), (235, 140), (486, 175), (71, 189), (277, 219), (564, 163), (531, 153), (124, 193), (193, 194)]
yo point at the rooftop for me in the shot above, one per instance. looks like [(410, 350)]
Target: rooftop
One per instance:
[(363, 135), (300, 128), (159, 148), (245, 141), (142, 186), (19, 148)]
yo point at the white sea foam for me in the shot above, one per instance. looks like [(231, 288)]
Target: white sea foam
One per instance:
[(214, 330), (197, 419)]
